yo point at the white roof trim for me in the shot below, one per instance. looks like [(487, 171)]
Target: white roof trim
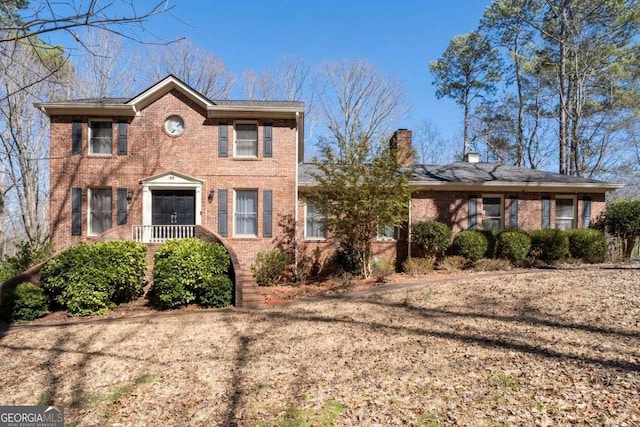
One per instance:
[(169, 176), (165, 86)]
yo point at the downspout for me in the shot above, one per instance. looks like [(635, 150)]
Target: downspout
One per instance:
[(297, 189), (409, 232)]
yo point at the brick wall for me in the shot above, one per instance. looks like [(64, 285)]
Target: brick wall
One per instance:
[(195, 153), (452, 208)]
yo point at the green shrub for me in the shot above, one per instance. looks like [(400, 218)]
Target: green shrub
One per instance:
[(588, 245), (92, 279), (622, 220), (216, 292), (513, 245), (470, 244), (382, 269), (491, 242), (270, 267), (418, 266), (432, 237), (25, 302), (191, 270), (453, 263), (549, 245), (27, 255)]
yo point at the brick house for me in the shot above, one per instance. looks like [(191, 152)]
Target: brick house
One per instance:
[(170, 163)]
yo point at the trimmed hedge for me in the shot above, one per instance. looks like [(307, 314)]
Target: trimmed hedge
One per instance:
[(588, 245), (549, 245), (93, 278), (513, 245), (432, 237), (470, 244), (191, 270), (25, 302)]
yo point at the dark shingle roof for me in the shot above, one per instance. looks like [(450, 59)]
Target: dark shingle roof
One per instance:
[(101, 101), (471, 173), (464, 172), (246, 103)]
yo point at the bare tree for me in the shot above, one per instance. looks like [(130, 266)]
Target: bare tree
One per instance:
[(359, 103), (23, 138), (197, 67), (104, 68), (28, 20), (429, 145)]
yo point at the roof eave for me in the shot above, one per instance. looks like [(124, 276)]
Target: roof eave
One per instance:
[(233, 111), (92, 109), (600, 187)]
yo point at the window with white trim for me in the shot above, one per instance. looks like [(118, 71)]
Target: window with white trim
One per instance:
[(246, 139), (100, 209), (315, 223), (389, 232), (492, 213), (565, 212), (246, 213), (100, 137)]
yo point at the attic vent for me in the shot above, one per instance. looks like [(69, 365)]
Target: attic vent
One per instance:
[(472, 157)]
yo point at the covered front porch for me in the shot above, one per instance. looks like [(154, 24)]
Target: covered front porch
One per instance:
[(171, 208)]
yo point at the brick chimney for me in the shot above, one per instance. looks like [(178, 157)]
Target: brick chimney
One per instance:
[(401, 143)]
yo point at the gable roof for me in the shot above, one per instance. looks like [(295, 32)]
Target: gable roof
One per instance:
[(129, 107), (464, 176), (164, 86)]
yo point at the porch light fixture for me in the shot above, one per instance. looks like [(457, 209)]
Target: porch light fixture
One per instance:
[(211, 193), (129, 195)]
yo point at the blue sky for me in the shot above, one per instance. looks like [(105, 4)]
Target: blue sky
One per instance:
[(399, 37)]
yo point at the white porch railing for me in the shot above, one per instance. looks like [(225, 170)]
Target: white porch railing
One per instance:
[(161, 233)]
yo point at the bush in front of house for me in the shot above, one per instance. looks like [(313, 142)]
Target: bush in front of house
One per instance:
[(25, 302), (382, 269), (93, 278), (270, 267), (513, 245), (587, 245), (432, 237), (418, 266), (549, 245), (470, 244), (453, 263), (491, 236), (191, 270)]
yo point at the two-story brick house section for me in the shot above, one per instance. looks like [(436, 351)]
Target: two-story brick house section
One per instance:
[(171, 163)]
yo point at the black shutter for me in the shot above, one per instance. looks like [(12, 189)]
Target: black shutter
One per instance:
[(76, 138), (513, 212), (122, 138), (268, 140), (222, 213), (223, 140), (473, 212), (586, 212), (122, 206), (76, 211), (546, 212), (267, 217)]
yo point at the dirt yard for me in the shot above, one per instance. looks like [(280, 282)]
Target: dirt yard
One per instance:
[(556, 347)]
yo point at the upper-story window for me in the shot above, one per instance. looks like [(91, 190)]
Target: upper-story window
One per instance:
[(100, 137), (246, 139)]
